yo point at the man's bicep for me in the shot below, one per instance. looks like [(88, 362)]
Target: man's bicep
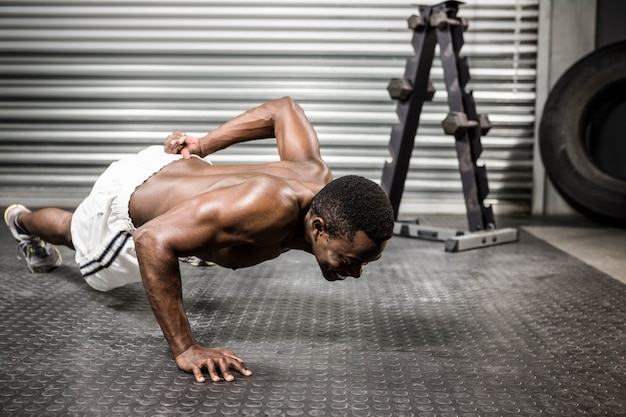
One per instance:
[(295, 136)]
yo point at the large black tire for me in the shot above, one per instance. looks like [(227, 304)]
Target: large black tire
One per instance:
[(585, 98)]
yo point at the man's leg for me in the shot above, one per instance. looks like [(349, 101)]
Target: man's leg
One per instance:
[(36, 234), (50, 224)]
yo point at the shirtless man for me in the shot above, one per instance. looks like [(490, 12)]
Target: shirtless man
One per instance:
[(149, 210)]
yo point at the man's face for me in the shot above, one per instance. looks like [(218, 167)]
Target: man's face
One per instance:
[(340, 258)]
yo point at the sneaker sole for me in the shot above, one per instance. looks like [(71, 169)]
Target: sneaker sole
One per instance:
[(8, 210)]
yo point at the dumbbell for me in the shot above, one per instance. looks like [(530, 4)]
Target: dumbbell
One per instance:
[(401, 89)]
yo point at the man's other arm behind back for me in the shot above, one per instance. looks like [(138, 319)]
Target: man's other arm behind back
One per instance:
[(281, 118)]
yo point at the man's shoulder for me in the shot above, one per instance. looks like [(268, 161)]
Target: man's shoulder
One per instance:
[(281, 193)]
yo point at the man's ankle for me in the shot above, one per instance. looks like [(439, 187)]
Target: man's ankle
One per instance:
[(18, 225)]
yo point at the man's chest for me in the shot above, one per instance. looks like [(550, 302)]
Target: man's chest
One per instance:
[(242, 256)]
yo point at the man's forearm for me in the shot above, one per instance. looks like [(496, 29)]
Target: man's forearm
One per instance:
[(170, 314), (281, 118), (256, 123), (161, 280)]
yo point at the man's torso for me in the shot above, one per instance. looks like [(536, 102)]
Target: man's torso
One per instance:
[(182, 180)]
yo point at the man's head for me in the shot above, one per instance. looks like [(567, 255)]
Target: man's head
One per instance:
[(351, 219)]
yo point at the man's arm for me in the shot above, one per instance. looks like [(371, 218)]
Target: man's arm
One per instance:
[(162, 282), (209, 222), (281, 118), (158, 244)]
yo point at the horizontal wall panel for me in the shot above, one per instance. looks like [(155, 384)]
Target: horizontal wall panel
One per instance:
[(86, 82)]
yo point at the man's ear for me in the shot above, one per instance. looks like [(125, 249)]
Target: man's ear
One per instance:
[(318, 226)]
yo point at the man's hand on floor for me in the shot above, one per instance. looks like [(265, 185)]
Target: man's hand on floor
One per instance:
[(217, 361)]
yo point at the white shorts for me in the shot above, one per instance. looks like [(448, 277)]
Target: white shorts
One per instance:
[(101, 226)]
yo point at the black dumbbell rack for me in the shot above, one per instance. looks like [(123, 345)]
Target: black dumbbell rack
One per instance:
[(440, 25)]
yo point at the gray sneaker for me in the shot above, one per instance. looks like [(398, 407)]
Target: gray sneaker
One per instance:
[(195, 261), (39, 255)]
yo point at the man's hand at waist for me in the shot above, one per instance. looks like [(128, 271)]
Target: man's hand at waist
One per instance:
[(182, 143)]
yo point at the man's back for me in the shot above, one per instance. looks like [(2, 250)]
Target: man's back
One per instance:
[(235, 216)]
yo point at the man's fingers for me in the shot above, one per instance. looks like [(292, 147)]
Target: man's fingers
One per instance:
[(236, 363), (238, 366), (177, 143), (225, 370), (197, 372), (212, 371), (241, 369), (224, 367)]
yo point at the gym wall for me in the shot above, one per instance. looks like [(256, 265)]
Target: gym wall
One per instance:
[(86, 82)]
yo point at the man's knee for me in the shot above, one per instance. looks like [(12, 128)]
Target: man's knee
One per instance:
[(67, 229)]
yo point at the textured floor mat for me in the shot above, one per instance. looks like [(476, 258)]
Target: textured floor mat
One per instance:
[(518, 329)]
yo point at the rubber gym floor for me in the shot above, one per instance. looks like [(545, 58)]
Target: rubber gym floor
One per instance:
[(522, 329)]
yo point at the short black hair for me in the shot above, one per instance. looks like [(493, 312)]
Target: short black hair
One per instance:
[(352, 203)]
